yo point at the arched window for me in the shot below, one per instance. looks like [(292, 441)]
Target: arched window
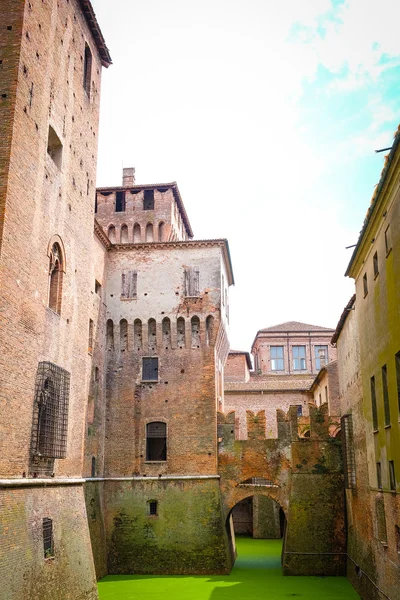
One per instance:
[(110, 335), (195, 323), (124, 234), (137, 334), (180, 332), (137, 234), (149, 233), (152, 334), (111, 234), (56, 269), (156, 441), (166, 333), (123, 332), (93, 472), (209, 330), (161, 232)]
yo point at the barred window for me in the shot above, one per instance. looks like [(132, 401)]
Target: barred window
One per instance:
[(48, 542), (153, 506), (50, 419), (156, 441), (348, 447), (192, 282)]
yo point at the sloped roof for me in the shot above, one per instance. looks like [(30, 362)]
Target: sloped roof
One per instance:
[(91, 20), (294, 326)]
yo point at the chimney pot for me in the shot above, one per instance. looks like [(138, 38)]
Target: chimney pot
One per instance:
[(128, 176)]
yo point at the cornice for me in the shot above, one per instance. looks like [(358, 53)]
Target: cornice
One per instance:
[(101, 236)]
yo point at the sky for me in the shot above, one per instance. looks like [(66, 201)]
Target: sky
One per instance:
[(268, 115)]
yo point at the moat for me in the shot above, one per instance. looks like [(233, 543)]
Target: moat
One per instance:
[(257, 574)]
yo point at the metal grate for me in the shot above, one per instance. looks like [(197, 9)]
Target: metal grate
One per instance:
[(153, 507), (156, 430), (349, 456), (48, 545), (50, 418)]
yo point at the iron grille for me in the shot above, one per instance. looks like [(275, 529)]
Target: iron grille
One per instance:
[(48, 546), (50, 418), (156, 430), (349, 456), (153, 507)]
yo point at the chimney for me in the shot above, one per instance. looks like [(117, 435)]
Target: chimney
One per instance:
[(128, 176)]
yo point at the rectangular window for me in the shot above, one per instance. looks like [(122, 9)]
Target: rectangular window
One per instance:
[(349, 457), (373, 405), (392, 476), (97, 287), (299, 410), (299, 358), (321, 356), (153, 507), (120, 201), (91, 332), (87, 70), (397, 360), (365, 284), (388, 240), (156, 441), (128, 285), (376, 264), (50, 418), (148, 200), (54, 147), (385, 395), (150, 369), (277, 360), (192, 282), (379, 475), (326, 394), (48, 543)]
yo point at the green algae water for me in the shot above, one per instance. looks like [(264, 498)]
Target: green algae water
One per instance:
[(256, 575)]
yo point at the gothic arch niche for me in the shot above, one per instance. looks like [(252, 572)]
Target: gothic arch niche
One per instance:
[(56, 255), (161, 232), (111, 234), (195, 329), (166, 333), (209, 330), (137, 234), (123, 333), (124, 234), (152, 334), (137, 334), (180, 332), (149, 233)]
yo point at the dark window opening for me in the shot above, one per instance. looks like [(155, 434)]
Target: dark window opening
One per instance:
[(392, 476), (54, 147), (156, 441), (97, 287), (373, 405), (349, 456), (153, 506), (397, 534), (93, 470), (376, 264), (299, 410), (50, 419), (91, 332), (385, 389), (148, 200), (397, 360), (48, 543), (365, 284), (379, 475), (87, 70), (120, 201), (150, 369), (388, 240), (95, 204)]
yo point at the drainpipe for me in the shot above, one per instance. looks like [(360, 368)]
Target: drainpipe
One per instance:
[(288, 353), (309, 343)]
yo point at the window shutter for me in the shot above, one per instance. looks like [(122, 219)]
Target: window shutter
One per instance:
[(123, 285), (132, 284), (195, 282)]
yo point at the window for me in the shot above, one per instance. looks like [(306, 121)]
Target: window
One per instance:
[(148, 200), (376, 264), (56, 278), (93, 469), (90, 341), (277, 361), (87, 70), (299, 358), (392, 476), (192, 282), (128, 285), (397, 360), (381, 519), (97, 287), (50, 419), (321, 356), (365, 284), (373, 405), (326, 394), (349, 457), (379, 475), (54, 147), (153, 506), (156, 441), (299, 410), (150, 369), (385, 396), (48, 542), (388, 239), (120, 201)]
